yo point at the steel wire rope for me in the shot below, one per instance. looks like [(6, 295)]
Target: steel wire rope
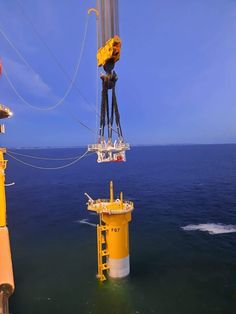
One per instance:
[(55, 57), (42, 158), (94, 108), (97, 104), (59, 102), (97, 116), (49, 168), (58, 63), (60, 66)]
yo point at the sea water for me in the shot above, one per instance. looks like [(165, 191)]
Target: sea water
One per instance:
[(182, 235)]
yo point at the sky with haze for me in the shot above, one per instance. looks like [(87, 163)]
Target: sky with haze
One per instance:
[(177, 72)]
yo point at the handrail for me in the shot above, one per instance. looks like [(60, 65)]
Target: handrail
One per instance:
[(100, 206)]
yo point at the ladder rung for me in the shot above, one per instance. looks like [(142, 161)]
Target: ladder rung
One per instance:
[(103, 240), (101, 277), (105, 266), (103, 228), (105, 252), (101, 251)]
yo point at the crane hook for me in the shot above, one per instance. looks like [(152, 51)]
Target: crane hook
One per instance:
[(93, 10)]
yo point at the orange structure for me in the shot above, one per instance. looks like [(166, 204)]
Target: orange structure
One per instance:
[(112, 234), (6, 272)]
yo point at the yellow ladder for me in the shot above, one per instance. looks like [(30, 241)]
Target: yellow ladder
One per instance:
[(102, 252)]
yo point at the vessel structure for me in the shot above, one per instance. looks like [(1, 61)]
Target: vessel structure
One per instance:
[(6, 271)]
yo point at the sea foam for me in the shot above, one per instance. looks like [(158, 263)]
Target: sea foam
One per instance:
[(86, 222), (211, 228)]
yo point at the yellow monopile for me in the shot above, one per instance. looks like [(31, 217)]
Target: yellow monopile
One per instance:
[(112, 234)]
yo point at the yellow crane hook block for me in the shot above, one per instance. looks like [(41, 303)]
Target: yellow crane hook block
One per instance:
[(110, 51)]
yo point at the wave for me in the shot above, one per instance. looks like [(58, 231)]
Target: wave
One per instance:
[(211, 228), (86, 222)]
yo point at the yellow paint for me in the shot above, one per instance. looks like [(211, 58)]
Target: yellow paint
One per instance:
[(102, 252), (117, 235), (93, 10), (113, 229), (6, 272), (111, 50), (5, 112), (3, 163), (111, 192), (116, 205), (121, 200)]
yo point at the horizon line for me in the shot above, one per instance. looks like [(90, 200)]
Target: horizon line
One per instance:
[(132, 145)]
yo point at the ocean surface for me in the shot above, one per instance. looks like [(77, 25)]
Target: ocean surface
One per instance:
[(182, 236)]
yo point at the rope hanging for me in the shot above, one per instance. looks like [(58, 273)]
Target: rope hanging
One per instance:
[(59, 102), (42, 158), (48, 168), (54, 57)]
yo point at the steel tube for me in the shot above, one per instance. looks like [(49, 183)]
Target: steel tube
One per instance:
[(108, 20)]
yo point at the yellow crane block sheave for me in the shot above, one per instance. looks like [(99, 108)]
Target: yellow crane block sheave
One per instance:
[(110, 51)]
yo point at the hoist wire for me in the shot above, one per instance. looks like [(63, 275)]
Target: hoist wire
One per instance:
[(42, 158), (48, 168), (59, 102), (94, 108), (73, 83), (97, 103), (97, 117), (57, 62), (61, 67), (84, 125), (16, 50)]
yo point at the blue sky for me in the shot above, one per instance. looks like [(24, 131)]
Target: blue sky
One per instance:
[(177, 73)]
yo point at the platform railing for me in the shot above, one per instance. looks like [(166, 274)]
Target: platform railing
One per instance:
[(117, 146)]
